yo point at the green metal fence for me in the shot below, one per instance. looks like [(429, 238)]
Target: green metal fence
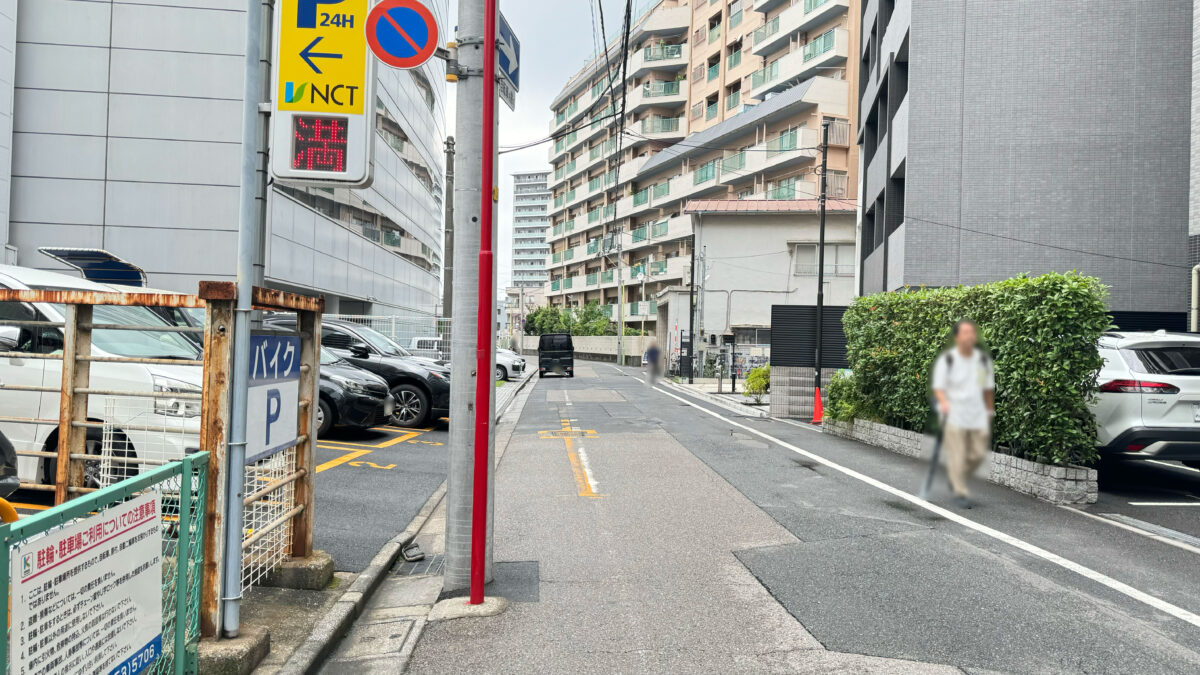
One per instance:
[(181, 487)]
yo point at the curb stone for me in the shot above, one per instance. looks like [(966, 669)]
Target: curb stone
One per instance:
[(719, 401), (311, 654)]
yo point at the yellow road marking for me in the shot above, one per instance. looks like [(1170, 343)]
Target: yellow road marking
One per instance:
[(354, 454), (382, 444), (579, 467), (372, 465)]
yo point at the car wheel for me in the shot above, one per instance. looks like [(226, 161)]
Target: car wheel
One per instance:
[(412, 406), (501, 374), (324, 418), (1195, 464), (93, 473)]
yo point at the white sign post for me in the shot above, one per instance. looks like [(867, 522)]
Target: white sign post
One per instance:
[(88, 597)]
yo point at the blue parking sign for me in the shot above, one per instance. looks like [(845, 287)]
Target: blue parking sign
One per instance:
[(272, 417)]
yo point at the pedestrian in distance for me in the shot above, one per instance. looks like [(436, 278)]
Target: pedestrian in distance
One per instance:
[(964, 386), (653, 358)]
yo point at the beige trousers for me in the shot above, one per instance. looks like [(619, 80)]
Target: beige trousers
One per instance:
[(965, 450)]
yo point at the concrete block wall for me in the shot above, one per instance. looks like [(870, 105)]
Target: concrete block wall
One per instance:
[(792, 391)]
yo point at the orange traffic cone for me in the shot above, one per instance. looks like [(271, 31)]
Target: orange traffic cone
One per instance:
[(818, 409)]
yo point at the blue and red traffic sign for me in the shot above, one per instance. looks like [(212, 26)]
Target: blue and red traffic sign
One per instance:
[(402, 33)]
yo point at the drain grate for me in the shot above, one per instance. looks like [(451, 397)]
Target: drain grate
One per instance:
[(432, 564)]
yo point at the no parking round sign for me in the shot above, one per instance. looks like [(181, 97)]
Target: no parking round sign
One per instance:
[(402, 33)]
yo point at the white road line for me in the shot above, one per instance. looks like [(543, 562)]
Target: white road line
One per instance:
[(1164, 503), (1135, 530), (587, 469), (1173, 466), (802, 425), (1086, 572), (566, 397)]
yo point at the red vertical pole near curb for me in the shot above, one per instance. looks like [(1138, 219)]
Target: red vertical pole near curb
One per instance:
[(483, 356)]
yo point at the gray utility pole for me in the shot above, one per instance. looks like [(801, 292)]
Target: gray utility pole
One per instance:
[(467, 197), (692, 308), (250, 225), (821, 256), (448, 252), (620, 302)]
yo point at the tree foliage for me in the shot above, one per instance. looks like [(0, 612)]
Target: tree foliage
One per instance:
[(1042, 333), (758, 383), (587, 320)]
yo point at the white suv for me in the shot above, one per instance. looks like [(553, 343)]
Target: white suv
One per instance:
[(174, 413), (1149, 401)]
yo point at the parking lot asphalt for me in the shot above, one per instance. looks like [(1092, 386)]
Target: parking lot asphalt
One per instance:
[(370, 484)]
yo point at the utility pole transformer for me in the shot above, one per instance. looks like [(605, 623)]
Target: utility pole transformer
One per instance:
[(468, 343)]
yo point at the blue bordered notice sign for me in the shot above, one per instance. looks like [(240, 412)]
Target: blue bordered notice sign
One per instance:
[(272, 407), (88, 597)]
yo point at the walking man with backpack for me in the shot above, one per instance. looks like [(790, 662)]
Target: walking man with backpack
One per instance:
[(964, 384)]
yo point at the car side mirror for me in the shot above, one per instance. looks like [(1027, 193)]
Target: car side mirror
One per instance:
[(360, 351)]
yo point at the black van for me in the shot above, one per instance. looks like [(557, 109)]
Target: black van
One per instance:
[(556, 354)]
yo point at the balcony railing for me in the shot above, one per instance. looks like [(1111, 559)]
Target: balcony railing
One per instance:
[(710, 112), (821, 44), (569, 225), (766, 30), (810, 5), (734, 162), (785, 142), (606, 278), (662, 52), (714, 33), (556, 285), (593, 246), (590, 280), (658, 125), (735, 19), (783, 191), (568, 283), (602, 149), (714, 71), (734, 60), (556, 257), (640, 234), (705, 173), (659, 230), (657, 89), (659, 267), (662, 189), (641, 197), (764, 75)]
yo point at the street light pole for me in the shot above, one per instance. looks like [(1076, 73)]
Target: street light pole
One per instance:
[(821, 256)]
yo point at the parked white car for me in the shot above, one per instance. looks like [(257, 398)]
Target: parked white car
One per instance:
[(1149, 401), (508, 364), (177, 414)]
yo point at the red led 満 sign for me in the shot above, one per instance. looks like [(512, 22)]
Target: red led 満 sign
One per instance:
[(319, 143)]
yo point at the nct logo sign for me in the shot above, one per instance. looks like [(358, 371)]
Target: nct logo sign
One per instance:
[(322, 54)]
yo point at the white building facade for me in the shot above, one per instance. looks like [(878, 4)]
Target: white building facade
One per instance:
[(531, 219), (126, 128)]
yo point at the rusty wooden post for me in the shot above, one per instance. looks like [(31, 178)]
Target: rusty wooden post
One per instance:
[(72, 406), (309, 323), (218, 353)]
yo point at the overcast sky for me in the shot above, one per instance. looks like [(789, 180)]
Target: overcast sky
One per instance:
[(556, 41)]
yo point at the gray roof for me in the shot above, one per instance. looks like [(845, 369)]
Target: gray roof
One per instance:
[(778, 106)]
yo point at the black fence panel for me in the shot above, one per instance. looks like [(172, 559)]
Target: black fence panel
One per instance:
[(794, 337)]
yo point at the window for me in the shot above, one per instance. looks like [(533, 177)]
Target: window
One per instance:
[(839, 260)]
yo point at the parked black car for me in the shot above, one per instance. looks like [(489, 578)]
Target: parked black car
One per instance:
[(556, 354), (350, 396), (421, 387)]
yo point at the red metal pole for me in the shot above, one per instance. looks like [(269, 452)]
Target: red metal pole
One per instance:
[(483, 355)]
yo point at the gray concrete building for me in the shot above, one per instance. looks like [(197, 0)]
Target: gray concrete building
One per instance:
[(1022, 136), (126, 127), (531, 220)]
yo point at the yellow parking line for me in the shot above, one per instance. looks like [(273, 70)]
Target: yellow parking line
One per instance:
[(383, 444), (355, 454)]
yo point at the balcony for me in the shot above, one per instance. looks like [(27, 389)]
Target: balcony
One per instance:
[(662, 128), (714, 71), (567, 116), (801, 17), (733, 99), (659, 94), (658, 57), (796, 147), (714, 33), (826, 51), (767, 5), (562, 146)]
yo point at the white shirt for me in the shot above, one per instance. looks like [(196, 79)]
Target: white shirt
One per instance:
[(963, 379)]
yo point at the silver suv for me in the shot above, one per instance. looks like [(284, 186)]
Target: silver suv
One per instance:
[(1149, 401)]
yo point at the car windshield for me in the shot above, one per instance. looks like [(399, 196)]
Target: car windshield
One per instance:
[(329, 358), (1165, 360), (380, 342), (135, 343)]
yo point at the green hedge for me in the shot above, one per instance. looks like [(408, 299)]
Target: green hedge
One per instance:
[(1041, 331)]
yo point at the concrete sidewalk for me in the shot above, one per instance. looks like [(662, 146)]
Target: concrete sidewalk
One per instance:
[(616, 547)]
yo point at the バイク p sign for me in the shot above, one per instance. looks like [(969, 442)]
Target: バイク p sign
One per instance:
[(323, 111), (402, 33)]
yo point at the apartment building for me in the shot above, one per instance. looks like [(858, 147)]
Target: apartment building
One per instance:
[(723, 100), (531, 204), (1007, 138), (126, 123)]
